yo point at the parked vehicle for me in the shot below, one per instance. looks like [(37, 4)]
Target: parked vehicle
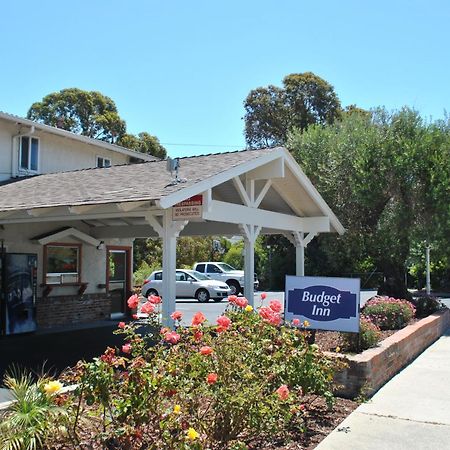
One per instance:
[(224, 272), (189, 284)]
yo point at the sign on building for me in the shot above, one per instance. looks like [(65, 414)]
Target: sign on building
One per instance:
[(326, 303), (189, 209)]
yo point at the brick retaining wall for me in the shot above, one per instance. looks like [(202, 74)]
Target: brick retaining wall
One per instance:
[(369, 370), (54, 311)]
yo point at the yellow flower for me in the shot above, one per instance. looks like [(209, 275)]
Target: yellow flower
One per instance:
[(249, 308), (192, 435), (52, 387), (338, 349), (177, 409), (306, 323)]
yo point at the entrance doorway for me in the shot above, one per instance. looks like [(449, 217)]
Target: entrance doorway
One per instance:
[(118, 277)]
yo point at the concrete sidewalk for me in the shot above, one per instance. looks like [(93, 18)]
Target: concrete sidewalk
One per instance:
[(412, 411)]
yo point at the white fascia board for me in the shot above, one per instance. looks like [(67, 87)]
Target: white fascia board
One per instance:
[(313, 192), (70, 232), (77, 137), (239, 214), (198, 188)]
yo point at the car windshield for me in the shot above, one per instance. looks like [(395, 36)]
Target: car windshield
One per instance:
[(226, 267), (198, 275)]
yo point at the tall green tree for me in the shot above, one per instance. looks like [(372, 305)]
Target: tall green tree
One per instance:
[(271, 112), (89, 113), (92, 114)]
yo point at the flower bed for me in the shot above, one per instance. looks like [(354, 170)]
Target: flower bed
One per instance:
[(248, 380), (368, 371)]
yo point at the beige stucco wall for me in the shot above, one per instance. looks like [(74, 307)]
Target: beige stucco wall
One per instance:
[(93, 266), (56, 153)]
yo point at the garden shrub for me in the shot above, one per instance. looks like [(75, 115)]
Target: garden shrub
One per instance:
[(388, 313), (202, 386), (369, 335), (426, 305)]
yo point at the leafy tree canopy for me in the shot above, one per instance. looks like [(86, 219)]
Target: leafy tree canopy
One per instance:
[(92, 114), (271, 112)]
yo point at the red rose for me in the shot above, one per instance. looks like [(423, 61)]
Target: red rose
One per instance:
[(211, 378), (275, 306), (224, 323), (121, 325), (198, 319), (263, 296), (126, 348), (198, 335)]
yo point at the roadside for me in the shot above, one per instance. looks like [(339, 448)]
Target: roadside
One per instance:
[(409, 412)]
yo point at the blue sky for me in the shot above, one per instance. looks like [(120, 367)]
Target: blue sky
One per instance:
[(181, 69)]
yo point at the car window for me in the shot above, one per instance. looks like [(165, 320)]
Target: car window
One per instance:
[(212, 268), (181, 276), (226, 267), (200, 276), (158, 276), (200, 268), (190, 278)]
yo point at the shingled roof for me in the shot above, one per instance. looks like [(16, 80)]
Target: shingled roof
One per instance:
[(136, 182)]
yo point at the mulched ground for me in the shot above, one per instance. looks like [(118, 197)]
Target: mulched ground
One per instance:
[(320, 422)]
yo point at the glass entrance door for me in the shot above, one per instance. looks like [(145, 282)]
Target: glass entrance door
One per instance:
[(118, 279)]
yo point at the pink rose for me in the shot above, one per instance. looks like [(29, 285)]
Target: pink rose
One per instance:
[(148, 308), (275, 320), (133, 301), (232, 298), (296, 322), (135, 316), (176, 315), (242, 302), (263, 296), (275, 306), (211, 378), (126, 348), (198, 335), (283, 392), (155, 299), (172, 337), (198, 319), (205, 350), (265, 313), (121, 325), (224, 323), (164, 330)]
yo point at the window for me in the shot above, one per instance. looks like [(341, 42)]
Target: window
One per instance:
[(103, 162), (212, 268), (28, 153), (158, 276), (62, 262), (200, 268)]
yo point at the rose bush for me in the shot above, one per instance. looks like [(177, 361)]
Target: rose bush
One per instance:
[(202, 386), (388, 313)]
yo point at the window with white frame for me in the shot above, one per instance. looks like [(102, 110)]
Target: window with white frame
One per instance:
[(28, 153), (62, 263), (103, 162)]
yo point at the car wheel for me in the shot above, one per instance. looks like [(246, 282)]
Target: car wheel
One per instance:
[(202, 295), (151, 292), (234, 286)]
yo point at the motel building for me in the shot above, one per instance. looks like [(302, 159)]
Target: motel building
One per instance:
[(70, 208)]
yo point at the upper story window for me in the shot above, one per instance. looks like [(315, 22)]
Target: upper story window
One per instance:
[(28, 153), (103, 162)]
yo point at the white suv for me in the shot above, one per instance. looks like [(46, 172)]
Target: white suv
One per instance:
[(224, 272)]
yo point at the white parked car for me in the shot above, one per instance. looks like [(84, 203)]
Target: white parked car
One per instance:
[(189, 284), (224, 272)]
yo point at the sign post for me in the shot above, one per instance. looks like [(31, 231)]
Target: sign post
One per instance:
[(326, 303)]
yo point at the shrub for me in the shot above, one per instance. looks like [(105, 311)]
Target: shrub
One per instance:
[(34, 414), (369, 335), (389, 313), (205, 385), (426, 305)]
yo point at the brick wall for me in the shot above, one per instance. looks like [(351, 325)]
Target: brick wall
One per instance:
[(54, 311), (368, 371)]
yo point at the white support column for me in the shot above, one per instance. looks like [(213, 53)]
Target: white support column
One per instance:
[(168, 231), (250, 232), (300, 242), (300, 258)]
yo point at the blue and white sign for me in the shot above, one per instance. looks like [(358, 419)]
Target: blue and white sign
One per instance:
[(326, 303)]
